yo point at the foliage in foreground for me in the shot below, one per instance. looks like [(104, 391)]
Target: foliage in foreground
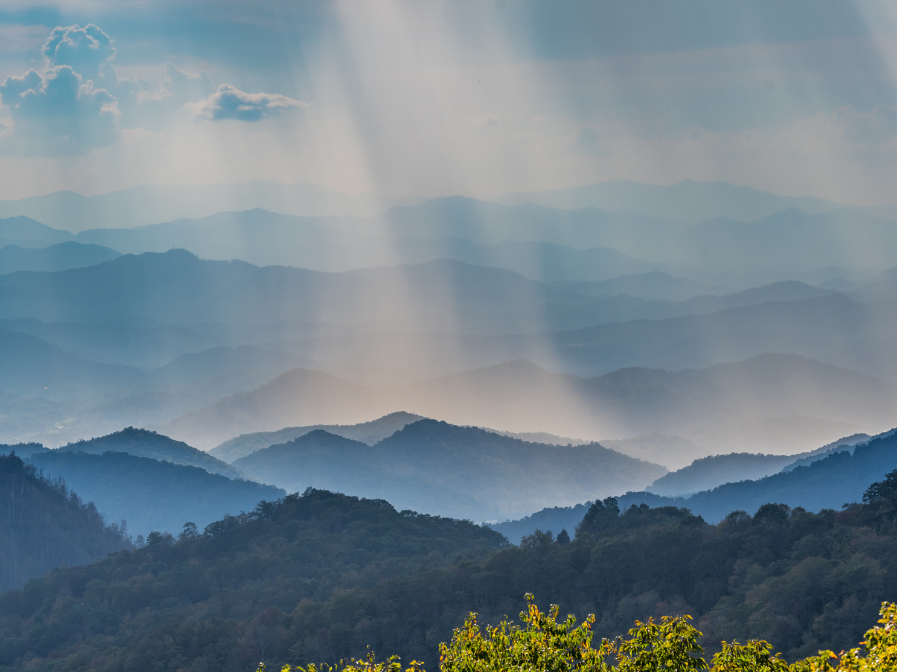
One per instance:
[(545, 645)]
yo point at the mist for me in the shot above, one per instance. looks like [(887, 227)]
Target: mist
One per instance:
[(676, 243)]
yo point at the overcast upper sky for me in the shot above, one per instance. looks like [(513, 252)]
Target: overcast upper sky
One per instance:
[(422, 98)]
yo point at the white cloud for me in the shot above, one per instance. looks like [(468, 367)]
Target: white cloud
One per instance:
[(231, 103), (56, 113), (87, 50)]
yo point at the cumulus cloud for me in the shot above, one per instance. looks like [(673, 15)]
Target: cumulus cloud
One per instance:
[(87, 50), (57, 113), (228, 102)]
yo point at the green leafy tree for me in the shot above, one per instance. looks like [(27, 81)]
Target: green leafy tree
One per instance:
[(544, 645)]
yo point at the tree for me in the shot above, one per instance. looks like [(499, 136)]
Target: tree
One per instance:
[(544, 645)]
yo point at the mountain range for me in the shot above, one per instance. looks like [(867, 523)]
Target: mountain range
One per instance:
[(437, 468), (524, 397), (834, 479)]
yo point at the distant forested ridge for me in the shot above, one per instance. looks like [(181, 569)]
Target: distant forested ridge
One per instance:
[(44, 525), (823, 481), (321, 576), (365, 432), (145, 443), (436, 467), (152, 495)]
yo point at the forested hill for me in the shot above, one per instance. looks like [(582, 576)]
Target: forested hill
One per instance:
[(43, 525), (464, 472), (828, 483), (319, 577), (152, 495), (145, 443), (227, 590)]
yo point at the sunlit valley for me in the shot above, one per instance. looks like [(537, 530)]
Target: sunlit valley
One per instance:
[(397, 312)]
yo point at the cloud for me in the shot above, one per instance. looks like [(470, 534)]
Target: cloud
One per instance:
[(56, 113), (87, 50), (231, 103)]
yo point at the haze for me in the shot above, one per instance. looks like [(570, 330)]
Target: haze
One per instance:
[(665, 227)]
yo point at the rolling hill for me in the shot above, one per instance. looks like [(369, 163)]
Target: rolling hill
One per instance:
[(58, 257), (707, 473), (519, 396), (366, 432), (149, 494), (434, 467), (144, 443), (44, 525), (839, 478), (687, 200)]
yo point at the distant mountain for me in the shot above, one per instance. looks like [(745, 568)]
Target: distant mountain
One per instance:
[(152, 495), (688, 200), (810, 327), (542, 437), (524, 397), (365, 432), (252, 303), (673, 452), (148, 204), (144, 346), (434, 467), (838, 479), (337, 245), (216, 361), (144, 443), (791, 243), (707, 473), (845, 444), (655, 285), (178, 288), (32, 366), (556, 518), (58, 257), (829, 483), (24, 231), (552, 519), (44, 525)]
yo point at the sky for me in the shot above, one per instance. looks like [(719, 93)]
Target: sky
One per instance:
[(423, 98)]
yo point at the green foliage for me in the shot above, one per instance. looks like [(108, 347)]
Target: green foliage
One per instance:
[(544, 644), (320, 577)]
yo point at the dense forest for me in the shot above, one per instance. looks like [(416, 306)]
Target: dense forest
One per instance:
[(43, 525), (321, 576)]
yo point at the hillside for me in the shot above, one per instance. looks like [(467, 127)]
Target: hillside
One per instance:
[(43, 525), (32, 366), (26, 232), (463, 472), (58, 257), (367, 432), (224, 359), (688, 200), (828, 483), (145, 443), (707, 473), (323, 577), (522, 397), (152, 495)]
